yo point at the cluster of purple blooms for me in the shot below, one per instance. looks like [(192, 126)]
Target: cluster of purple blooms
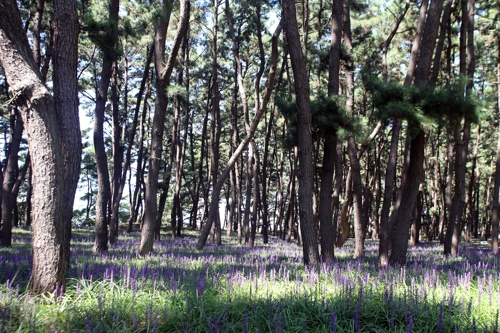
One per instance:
[(235, 288)]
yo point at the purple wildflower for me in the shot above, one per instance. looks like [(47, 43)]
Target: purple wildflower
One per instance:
[(409, 329), (245, 323), (356, 318), (333, 322), (440, 319), (473, 328)]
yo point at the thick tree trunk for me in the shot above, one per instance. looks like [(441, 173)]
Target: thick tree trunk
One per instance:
[(386, 223), (163, 72), (53, 135)]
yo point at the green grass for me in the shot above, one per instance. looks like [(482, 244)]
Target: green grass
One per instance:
[(237, 289)]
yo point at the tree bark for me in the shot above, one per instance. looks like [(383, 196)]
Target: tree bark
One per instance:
[(306, 168), (104, 187), (415, 173), (163, 72), (328, 230), (53, 135), (454, 228), (139, 175), (496, 186), (9, 178)]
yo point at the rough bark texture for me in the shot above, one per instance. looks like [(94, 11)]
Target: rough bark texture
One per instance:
[(53, 129), (306, 168)]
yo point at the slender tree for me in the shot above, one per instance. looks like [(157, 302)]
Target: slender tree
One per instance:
[(104, 187), (302, 98), (330, 144), (163, 73)]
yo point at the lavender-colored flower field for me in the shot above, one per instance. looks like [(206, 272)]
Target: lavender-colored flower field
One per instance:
[(262, 289)]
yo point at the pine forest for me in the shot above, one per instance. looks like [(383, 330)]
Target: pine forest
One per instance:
[(249, 166)]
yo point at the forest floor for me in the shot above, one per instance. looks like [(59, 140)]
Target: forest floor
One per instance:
[(235, 288)]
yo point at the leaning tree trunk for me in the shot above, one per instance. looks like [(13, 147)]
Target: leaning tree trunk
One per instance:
[(414, 177), (214, 205), (163, 72), (302, 96)]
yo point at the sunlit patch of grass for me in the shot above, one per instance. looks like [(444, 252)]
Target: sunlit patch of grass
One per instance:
[(234, 288)]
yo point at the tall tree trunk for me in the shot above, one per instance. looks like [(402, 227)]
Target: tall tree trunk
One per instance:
[(390, 174), (214, 205), (119, 178), (104, 187), (181, 148), (215, 119), (53, 135), (117, 154), (139, 175), (461, 142), (198, 181), (163, 72), (257, 195), (302, 97), (469, 199), (496, 186), (415, 173), (357, 186), (328, 230)]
